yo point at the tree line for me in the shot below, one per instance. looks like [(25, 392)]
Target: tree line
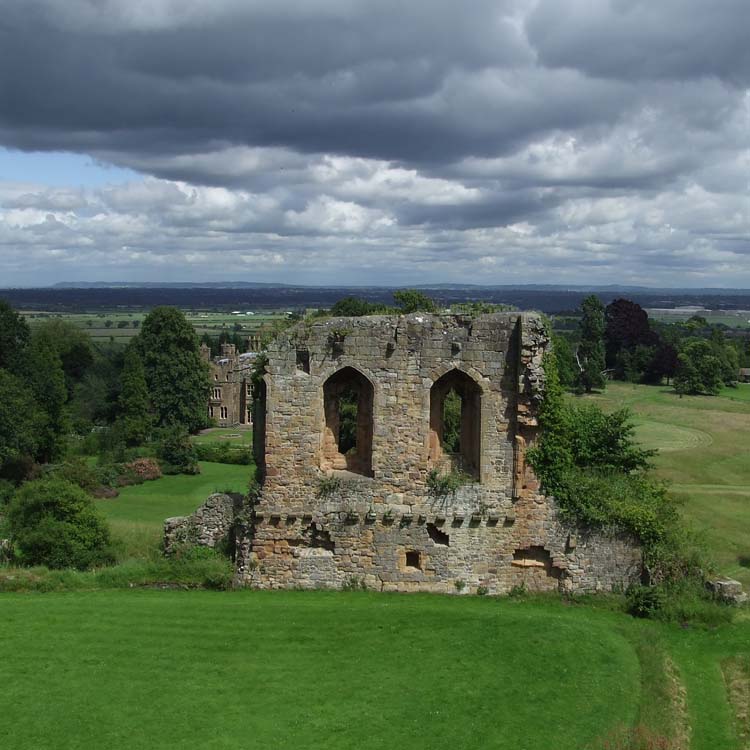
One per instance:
[(621, 342)]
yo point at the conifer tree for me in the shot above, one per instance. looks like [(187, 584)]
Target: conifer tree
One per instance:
[(135, 415), (590, 354)]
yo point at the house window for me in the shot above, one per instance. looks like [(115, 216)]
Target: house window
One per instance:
[(413, 559), (216, 376), (211, 412), (223, 412), (217, 394)]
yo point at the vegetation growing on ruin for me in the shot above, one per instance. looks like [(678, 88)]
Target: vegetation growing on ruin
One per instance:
[(589, 460)]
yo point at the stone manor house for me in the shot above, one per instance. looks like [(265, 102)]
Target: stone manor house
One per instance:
[(349, 427), (230, 398)]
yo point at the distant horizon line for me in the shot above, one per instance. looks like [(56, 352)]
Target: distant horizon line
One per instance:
[(424, 286)]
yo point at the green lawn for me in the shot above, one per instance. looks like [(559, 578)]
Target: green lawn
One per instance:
[(232, 435), (704, 451), (137, 516), (170, 669), (308, 670)]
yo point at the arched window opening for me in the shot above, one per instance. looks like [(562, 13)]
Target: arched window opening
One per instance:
[(455, 423), (348, 406)]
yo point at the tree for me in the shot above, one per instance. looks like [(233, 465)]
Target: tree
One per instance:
[(590, 354), (176, 376), (135, 415), (353, 307), (54, 522), (20, 419), (699, 370), (72, 345), (565, 359), (412, 300), (14, 338), (47, 379), (627, 327)]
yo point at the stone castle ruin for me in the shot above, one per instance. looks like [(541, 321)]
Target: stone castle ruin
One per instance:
[(358, 485)]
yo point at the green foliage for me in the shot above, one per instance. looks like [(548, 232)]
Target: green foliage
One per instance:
[(14, 339), (605, 442), (223, 453), (412, 300), (566, 361), (442, 485), (177, 452), (699, 369), (328, 487), (47, 380), (591, 347), (590, 462), (348, 403), (452, 423), (71, 344), (478, 307), (53, 522), (353, 307), (21, 420), (135, 416), (176, 376)]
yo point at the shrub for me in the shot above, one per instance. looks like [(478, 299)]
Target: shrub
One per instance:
[(177, 452), (77, 471), (644, 601), (6, 492), (223, 453), (53, 522), (139, 471)]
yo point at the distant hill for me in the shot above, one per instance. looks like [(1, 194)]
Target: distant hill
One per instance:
[(166, 285)]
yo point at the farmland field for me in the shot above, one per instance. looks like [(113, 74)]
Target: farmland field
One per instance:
[(120, 326)]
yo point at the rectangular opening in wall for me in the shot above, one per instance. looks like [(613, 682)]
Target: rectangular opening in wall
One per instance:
[(413, 559), (303, 360)]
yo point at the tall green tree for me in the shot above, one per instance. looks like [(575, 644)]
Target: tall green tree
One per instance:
[(590, 354), (135, 410), (47, 380), (176, 376), (699, 370), (21, 420), (14, 338)]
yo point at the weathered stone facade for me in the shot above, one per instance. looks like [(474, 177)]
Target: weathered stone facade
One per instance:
[(229, 399), (370, 506)]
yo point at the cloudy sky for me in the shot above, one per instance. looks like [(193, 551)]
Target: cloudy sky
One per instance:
[(379, 141)]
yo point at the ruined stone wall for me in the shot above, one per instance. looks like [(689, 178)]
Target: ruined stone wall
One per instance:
[(326, 519), (209, 526)]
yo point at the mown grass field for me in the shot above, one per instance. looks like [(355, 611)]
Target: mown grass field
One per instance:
[(704, 451), (173, 669)]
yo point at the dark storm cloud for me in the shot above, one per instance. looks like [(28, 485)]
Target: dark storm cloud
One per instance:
[(574, 136)]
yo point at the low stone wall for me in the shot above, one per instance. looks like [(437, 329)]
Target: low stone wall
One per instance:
[(208, 526)]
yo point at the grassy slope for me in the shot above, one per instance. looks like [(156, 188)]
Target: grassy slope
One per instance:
[(137, 516), (704, 450), (309, 670)]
